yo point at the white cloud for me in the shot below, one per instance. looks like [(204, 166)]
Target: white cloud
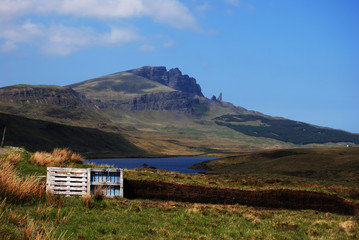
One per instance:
[(171, 12), (147, 48), (235, 3), (204, 7), (168, 44), (62, 40), (8, 46), (51, 36)]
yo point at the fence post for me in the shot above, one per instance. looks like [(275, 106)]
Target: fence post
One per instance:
[(89, 181), (3, 137), (121, 182)]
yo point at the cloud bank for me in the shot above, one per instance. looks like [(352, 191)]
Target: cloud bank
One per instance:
[(20, 25)]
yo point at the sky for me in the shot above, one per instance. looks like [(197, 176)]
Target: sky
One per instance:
[(297, 59)]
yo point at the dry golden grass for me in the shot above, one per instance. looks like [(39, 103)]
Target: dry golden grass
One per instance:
[(55, 200), (348, 227), (16, 188), (98, 193), (13, 157), (57, 157), (86, 201)]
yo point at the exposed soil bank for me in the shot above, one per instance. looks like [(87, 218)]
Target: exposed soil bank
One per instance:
[(275, 198)]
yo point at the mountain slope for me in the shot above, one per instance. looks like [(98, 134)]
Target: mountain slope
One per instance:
[(284, 130), (52, 103), (340, 165), (37, 135), (118, 87), (153, 105)]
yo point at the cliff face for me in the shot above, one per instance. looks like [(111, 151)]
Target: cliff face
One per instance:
[(40, 95), (172, 78), (162, 101), (171, 101)]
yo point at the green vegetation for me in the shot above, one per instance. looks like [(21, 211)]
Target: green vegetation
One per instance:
[(118, 86), (284, 130), (42, 135), (321, 165), (99, 111), (55, 217)]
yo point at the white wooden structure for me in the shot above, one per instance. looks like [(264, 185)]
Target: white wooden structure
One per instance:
[(83, 181)]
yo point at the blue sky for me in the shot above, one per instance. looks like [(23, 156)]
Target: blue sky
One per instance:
[(297, 59)]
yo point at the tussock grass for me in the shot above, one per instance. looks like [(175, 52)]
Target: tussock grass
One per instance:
[(57, 157), (13, 157), (86, 201), (349, 227), (85, 218), (98, 193), (18, 224), (16, 188)]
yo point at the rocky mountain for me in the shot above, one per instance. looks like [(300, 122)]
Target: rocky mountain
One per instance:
[(163, 111), (146, 88), (172, 78)]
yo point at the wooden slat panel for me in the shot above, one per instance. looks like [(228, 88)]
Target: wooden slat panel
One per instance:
[(75, 181), (106, 183), (69, 184), (67, 169), (69, 179), (70, 193), (68, 174), (69, 188), (105, 169)]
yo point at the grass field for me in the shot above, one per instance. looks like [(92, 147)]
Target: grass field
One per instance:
[(323, 165), (52, 217)]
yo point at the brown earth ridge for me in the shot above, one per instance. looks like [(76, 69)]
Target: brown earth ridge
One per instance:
[(273, 198)]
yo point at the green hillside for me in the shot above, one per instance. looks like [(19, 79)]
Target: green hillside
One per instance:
[(335, 165), (118, 86), (167, 121), (284, 130), (36, 135)]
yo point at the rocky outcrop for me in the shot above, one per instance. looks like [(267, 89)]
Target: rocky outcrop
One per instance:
[(163, 101), (40, 95), (172, 78), (169, 101)]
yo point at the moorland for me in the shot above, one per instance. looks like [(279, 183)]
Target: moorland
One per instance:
[(148, 112), (28, 212)]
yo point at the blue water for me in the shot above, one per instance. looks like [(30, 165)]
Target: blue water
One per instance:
[(174, 164)]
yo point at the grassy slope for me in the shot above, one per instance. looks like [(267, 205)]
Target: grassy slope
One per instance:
[(118, 86), (72, 218), (335, 165), (43, 135), (284, 130), (160, 132)]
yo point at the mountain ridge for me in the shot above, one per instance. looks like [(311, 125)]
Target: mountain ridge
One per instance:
[(153, 104)]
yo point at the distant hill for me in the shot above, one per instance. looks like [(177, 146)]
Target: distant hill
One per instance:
[(37, 135), (163, 111), (284, 130), (340, 165)]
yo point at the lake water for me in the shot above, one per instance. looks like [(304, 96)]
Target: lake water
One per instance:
[(174, 164)]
